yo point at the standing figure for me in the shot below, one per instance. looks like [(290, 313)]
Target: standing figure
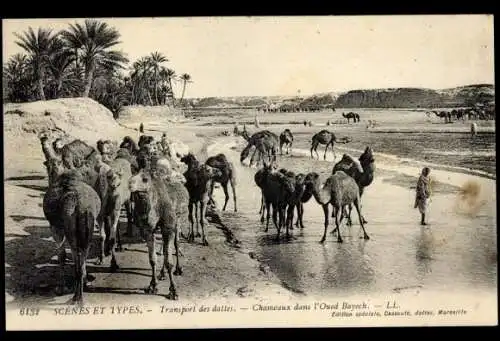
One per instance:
[(423, 194), (473, 129), (141, 128)]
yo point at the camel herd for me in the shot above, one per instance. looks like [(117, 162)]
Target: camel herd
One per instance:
[(285, 191), (158, 187), (461, 114), (88, 187)]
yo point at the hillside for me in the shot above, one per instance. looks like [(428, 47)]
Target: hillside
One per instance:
[(367, 98)]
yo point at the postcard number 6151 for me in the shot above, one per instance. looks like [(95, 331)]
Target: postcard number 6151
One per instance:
[(29, 311)]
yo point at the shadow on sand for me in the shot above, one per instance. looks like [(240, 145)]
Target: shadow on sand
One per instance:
[(32, 268), (26, 178)]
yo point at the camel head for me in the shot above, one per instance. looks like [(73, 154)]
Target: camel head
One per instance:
[(207, 172), (58, 145), (54, 168), (114, 178), (188, 159), (311, 178)]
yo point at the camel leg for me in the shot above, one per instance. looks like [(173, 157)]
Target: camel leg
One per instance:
[(211, 193), (325, 211), (268, 214), (338, 222), (203, 208), (281, 148), (326, 149), (178, 267), (102, 239), (276, 212), (113, 222), (349, 221), (61, 259), (197, 218), (233, 187), (128, 207), (78, 273), (358, 209), (168, 237), (226, 194), (289, 219), (301, 215), (289, 150), (190, 236), (150, 241)]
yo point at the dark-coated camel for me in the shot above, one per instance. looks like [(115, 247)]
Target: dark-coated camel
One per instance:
[(265, 142), (277, 188), (328, 138), (286, 139), (259, 178), (199, 179), (339, 190), (228, 176), (351, 115)]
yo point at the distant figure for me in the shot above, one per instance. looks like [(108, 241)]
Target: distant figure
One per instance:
[(473, 129), (257, 125), (423, 194), (235, 130), (141, 128)]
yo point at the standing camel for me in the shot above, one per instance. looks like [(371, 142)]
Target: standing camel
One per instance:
[(338, 190), (227, 171), (327, 138), (265, 142), (349, 116), (286, 139), (362, 172)]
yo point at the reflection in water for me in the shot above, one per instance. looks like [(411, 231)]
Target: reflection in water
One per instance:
[(425, 252)]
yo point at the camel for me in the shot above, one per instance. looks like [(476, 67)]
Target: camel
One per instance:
[(52, 159), (145, 140), (362, 172), (159, 204), (129, 144), (75, 153), (338, 190), (293, 200), (286, 139), (259, 178), (118, 196), (227, 170), (265, 142), (442, 114), (71, 207), (327, 138), (199, 179), (351, 115), (277, 187)]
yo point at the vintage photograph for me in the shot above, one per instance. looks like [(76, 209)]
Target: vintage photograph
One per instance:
[(271, 171)]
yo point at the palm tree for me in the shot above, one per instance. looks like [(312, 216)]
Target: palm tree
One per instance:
[(39, 46), (18, 75), (59, 66), (139, 76), (167, 75), (185, 78), (156, 58), (94, 39)]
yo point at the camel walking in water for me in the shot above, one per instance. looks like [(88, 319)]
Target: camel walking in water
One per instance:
[(265, 142), (327, 138), (286, 139), (338, 190), (361, 171)]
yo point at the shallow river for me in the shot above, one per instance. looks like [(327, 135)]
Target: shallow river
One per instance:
[(456, 252)]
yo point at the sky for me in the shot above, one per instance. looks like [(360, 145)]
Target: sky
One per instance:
[(265, 56)]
